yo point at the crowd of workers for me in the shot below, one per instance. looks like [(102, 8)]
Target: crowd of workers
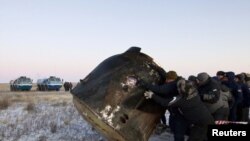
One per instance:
[(200, 100)]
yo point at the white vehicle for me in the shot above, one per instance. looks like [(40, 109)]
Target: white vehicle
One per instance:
[(22, 83), (51, 83)]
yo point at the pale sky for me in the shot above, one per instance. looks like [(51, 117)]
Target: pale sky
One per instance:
[(69, 38)]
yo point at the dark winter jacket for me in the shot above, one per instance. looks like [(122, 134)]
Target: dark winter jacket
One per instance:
[(234, 88), (210, 95), (191, 106), (227, 98), (246, 95), (194, 110), (188, 105), (247, 80), (226, 95), (166, 90), (164, 93)]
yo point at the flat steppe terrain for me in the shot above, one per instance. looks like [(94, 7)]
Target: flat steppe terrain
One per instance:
[(41, 116), (46, 116)]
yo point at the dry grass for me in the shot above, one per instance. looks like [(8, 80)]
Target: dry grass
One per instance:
[(59, 98), (6, 87), (7, 97), (4, 102), (30, 107), (47, 115)]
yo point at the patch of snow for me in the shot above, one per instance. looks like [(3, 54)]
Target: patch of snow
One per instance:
[(108, 114), (45, 122), (131, 82), (105, 111)]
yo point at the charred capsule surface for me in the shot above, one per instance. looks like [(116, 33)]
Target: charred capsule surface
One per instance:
[(109, 99)]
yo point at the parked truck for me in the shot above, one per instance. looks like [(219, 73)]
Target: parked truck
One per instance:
[(51, 83), (22, 83)]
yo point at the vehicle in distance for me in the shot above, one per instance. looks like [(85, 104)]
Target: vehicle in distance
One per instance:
[(48, 84), (22, 83)]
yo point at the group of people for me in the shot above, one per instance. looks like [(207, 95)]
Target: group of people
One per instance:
[(199, 101), (67, 86)]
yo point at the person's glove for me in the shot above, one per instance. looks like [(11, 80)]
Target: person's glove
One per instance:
[(148, 94)]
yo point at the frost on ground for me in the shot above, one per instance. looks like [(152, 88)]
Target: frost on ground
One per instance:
[(46, 121), (49, 116)]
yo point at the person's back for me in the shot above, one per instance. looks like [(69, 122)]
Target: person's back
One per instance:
[(227, 100), (193, 109), (166, 88), (247, 79), (236, 92), (163, 94), (209, 91), (243, 107), (193, 79)]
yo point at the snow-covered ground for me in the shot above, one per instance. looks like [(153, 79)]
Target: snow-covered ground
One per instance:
[(46, 122), (48, 117)]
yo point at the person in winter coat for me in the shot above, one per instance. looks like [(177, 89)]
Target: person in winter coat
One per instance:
[(227, 100), (220, 75), (193, 79), (236, 92), (225, 94), (163, 76), (247, 78), (163, 94), (243, 108), (210, 93), (193, 109)]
